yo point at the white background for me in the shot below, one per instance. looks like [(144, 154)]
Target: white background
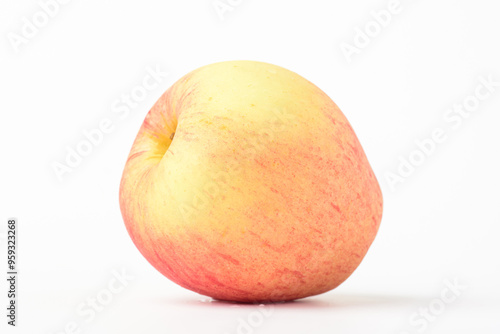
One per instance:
[(441, 223)]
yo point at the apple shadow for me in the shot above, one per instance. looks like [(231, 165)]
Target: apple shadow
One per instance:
[(324, 301)]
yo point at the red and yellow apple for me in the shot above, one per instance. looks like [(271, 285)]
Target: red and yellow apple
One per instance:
[(247, 183)]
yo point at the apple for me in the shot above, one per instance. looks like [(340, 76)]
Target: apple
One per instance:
[(247, 183)]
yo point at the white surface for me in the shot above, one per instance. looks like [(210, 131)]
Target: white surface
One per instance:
[(441, 224)]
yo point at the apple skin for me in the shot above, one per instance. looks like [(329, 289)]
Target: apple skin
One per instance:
[(247, 183)]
